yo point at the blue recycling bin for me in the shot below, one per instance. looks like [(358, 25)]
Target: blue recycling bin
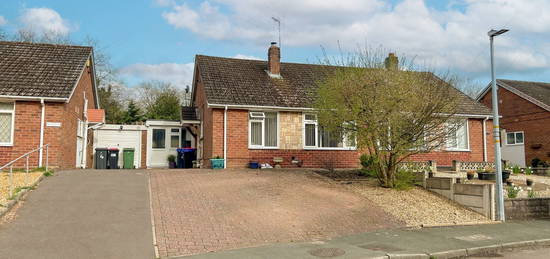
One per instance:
[(186, 156)]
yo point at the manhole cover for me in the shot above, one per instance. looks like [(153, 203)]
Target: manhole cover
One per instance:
[(381, 247), (327, 252)]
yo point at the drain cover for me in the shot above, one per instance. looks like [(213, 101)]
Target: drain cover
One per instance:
[(327, 252)]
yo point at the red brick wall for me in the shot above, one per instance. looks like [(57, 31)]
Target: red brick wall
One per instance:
[(519, 114), (238, 153), (62, 140)]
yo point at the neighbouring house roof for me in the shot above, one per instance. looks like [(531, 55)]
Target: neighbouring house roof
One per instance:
[(535, 92), (242, 82), (40, 70), (188, 113), (96, 115)]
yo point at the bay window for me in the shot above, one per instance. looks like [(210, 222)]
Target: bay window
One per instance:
[(457, 140), (6, 123), (315, 136), (263, 130)]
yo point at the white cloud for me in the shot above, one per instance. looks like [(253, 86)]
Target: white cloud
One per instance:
[(3, 20), (242, 56), (44, 20), (453, 38), (178, 74)]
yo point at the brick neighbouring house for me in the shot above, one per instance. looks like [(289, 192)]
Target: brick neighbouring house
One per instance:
[(525, 110), (45, 91), (265, 107)]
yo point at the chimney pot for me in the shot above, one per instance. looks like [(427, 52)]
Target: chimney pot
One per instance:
[(274, 60)]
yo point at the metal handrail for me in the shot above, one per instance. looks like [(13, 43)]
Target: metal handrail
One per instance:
[(26, 155)]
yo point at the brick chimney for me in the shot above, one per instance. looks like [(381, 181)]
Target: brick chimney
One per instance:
[(274, 60), (392, 62)]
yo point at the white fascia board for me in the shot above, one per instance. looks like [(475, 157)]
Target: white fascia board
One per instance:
[(31, 98), (162, 123), (259, 107), (124, 127)]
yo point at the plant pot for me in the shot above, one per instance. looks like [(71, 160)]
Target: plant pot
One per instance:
[(171, 165), (430, 174), (505, 175), (217, 163), (486, 176), (529, 182), (509, 183), (470, 176)]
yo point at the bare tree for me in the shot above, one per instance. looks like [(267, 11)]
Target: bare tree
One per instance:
[(387, 108)]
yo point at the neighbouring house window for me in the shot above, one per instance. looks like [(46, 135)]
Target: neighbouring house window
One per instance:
[(263, 130), (174, 138), (317, 137), (458, 140), (514, 138), (6, 123), (159, 138)]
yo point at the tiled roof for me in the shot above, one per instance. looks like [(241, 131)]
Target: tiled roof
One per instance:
[(96, 115), (40, 70), (231, 81), (537, 90), (188, 113)]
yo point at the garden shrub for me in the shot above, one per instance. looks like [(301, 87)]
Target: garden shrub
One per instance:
[(404, 180)]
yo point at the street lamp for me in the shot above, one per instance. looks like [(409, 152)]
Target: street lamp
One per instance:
[(496, 128)]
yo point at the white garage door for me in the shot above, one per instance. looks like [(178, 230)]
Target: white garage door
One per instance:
[(104, 138)]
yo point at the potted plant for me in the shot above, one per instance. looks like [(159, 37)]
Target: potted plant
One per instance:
[(217, 162), (486, 174), (171, 161), (529, 182), (470, 175)]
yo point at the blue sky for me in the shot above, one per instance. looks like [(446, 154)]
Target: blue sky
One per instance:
[(157, 39)]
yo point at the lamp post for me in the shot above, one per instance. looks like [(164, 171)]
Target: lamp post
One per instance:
[(496, 129)]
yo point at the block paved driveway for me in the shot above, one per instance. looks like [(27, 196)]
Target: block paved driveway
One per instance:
[(83, 214), (198, 211)]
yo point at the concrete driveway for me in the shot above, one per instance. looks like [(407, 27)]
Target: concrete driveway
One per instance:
[(83, 214), (198, 211)]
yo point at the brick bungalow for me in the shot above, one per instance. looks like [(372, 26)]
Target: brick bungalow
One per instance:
[(45, 92), (263, 110), (525, 110)]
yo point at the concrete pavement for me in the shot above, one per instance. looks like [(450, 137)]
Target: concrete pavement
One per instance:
[(441, 242), (83, 214)]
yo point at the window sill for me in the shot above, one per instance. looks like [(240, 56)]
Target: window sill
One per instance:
[(331, 148), (458, 150), (517, 144), (6, 144), (263, 147)]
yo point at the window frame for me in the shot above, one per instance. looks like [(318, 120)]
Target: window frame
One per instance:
[(457, 149), (175, 134), (12, 113), (515, 138), (153, 137), (317, 144), (250, 120)]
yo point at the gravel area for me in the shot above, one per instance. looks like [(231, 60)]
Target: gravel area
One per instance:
[(20, 179), (416, 207)]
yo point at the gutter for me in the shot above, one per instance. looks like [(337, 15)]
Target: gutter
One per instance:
[(225, 137), (485, 139), (42, 119), (34, 98)]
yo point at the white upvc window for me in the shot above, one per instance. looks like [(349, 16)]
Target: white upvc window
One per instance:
[(459, 139), (174, 137), (315, 137), (514, 138), (263, 130), (7, 123)]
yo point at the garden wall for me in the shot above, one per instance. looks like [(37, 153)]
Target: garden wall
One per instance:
[(477, 197), (527, 208)]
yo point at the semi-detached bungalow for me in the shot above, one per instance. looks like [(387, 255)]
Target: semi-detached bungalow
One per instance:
[(252, 110), (45, 93)]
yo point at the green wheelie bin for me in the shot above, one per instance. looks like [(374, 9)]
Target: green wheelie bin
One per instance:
[(128, 158)]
